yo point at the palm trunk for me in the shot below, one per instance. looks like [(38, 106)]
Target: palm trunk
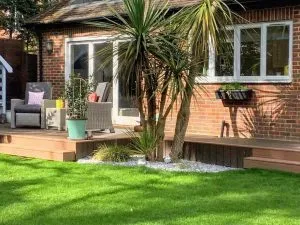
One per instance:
[(160, 135), (183, 119), (161, 123), (140, 99)]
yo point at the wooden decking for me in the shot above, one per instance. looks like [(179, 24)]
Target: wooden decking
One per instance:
[(242, 142), (246, 153), (234, 152), (52, 144)]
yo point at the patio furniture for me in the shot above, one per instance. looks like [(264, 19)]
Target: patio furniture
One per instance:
[(25, 115), (56, 118), (99, 114)]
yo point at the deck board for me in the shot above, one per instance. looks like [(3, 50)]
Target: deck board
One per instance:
[(242, 142)]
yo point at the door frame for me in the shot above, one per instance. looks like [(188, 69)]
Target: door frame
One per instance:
[(120, 120)]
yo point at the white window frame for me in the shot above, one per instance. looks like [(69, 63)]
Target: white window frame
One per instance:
[(263, 78)]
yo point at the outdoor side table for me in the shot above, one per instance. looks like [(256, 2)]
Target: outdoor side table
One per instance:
[(56, 118)]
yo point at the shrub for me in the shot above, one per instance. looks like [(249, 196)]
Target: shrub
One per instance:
[(143, 142), (76, 92), (233, 86), (113, 153)]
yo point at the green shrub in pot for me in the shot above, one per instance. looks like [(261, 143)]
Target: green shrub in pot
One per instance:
[(76, 94)]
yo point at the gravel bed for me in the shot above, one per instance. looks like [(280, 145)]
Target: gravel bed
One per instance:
[(183, 166)]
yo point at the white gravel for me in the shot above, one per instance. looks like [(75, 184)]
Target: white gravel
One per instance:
[(183, 166)]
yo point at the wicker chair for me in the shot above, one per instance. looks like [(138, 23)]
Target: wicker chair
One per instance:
[(24, 115), (99, 113)]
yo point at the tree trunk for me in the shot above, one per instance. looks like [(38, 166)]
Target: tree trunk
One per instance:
[(161, 123), (140, 100), (160, 135), (183, 119)]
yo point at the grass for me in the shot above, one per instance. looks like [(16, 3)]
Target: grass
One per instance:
[(36, 192)]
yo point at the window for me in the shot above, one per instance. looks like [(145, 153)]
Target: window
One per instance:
[(250, 52), (83, 58), (254, 53), (224, 60), (79, 60), (278, 50)]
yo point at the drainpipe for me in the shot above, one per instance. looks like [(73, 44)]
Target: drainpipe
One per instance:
[(41, 72)]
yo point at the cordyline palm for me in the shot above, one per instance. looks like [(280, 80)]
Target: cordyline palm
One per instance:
[(205, 26), (152, 56)]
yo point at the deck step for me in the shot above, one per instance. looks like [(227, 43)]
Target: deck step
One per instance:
[(44, 143), (35, 152), (273, 164), (290, 155)]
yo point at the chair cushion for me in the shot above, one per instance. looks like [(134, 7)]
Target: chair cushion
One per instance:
[(35, 98), (46, 87), (93, 97), (102, 91), (28, 109)]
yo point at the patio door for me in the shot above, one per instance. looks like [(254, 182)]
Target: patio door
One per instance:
[(82, 58)]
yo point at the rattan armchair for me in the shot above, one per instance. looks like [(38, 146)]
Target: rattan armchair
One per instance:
[(99, 114)]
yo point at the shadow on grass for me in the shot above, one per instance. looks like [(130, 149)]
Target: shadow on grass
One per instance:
[(93, 194)]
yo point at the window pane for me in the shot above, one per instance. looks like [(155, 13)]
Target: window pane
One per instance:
[(250, 52), (277, 50), (103, 65), (224, 59), (79, 60)]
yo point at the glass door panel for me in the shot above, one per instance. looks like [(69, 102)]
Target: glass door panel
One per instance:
[(103, 63), (80, 60), (127, 100)]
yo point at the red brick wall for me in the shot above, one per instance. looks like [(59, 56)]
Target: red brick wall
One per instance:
[(274, 111)]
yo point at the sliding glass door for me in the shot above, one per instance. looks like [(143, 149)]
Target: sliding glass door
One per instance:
[(82, 57)]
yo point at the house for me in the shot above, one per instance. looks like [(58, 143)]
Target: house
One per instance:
[(268, 63)]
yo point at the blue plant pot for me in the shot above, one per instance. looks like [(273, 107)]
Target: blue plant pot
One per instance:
[(76, 129)]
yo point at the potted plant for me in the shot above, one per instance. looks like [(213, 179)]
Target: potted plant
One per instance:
[(234, 91), (76, 94)]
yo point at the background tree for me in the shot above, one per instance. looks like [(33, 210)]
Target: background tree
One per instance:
[(14, 14)]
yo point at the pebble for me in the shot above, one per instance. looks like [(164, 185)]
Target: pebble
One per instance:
[(182, 166)]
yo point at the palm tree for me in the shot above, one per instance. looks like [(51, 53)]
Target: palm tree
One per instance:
[(152, 54), (205, 27)]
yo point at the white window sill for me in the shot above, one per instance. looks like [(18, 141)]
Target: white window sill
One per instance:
[(220, 80)]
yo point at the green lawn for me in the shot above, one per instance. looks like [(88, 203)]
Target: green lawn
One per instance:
[(36, 192)]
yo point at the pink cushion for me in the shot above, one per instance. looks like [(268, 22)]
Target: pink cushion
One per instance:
[(93, 97), (35, 98)]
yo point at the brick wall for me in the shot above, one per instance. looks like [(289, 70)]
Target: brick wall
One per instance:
[(274, 112)]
